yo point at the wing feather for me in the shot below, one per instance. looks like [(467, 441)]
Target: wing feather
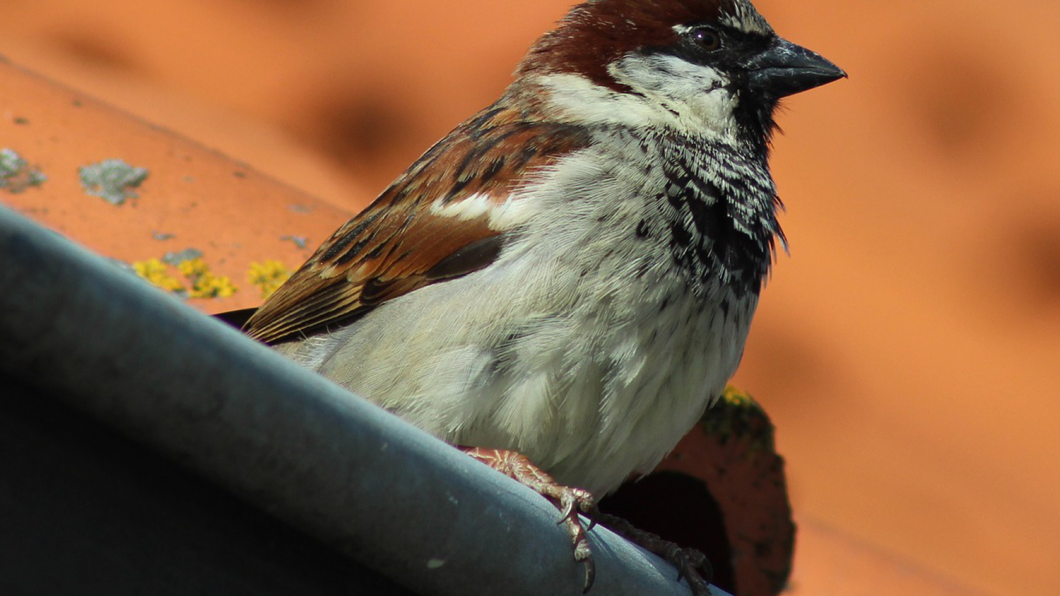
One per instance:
[(399, 244)]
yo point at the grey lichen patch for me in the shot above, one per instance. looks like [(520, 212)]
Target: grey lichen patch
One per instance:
[(112, 179), (177, 257), (16, 175), (299, 241)]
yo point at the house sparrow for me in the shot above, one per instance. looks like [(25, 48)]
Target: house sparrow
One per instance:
[(571, 273)]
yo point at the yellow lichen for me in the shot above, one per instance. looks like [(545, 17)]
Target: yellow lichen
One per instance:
[(736, 397), (268, 275), (157, 273), (193, 268), (209, 285), (204, 284)]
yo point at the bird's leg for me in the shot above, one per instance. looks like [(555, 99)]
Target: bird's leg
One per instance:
[(690, 563), (570, 501)]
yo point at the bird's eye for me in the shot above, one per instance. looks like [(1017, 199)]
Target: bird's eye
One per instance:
[(707, 39)]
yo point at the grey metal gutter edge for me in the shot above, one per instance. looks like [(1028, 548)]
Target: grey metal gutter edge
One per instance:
[(284, 439)]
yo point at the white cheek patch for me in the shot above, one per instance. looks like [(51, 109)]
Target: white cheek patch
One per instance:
[(663, 75), (577, 97), (696, 96), (670, 93)]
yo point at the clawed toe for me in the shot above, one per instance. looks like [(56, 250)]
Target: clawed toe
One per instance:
[(571, 502), (692, 565)]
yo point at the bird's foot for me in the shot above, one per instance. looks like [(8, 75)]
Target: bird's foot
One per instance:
[(570, 501), (691, 564)]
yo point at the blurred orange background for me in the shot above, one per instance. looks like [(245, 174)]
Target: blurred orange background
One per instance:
[(908, 349)]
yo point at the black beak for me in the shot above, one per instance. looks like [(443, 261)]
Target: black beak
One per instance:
[(786, 69)]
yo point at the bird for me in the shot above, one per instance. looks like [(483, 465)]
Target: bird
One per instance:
[(564, 283)]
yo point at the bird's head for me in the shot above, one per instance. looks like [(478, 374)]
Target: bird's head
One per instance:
[(700, 67)]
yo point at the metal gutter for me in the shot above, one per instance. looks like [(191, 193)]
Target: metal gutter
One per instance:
[(288, 441)]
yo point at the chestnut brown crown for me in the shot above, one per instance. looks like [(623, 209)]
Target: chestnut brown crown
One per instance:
[(598, 32)]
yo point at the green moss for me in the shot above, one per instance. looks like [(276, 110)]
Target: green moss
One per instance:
[(738, 417)]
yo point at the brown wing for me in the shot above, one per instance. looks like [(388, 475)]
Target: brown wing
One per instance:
[(397, 244)]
